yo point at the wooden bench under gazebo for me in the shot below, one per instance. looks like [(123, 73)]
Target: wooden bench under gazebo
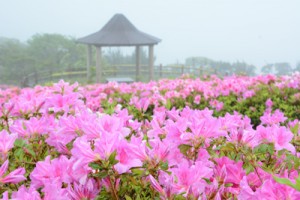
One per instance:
[(119, 31)]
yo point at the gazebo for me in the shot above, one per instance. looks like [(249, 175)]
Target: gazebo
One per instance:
[(119, 31)]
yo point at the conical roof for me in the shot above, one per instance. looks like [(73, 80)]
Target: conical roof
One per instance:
[(119, 31)]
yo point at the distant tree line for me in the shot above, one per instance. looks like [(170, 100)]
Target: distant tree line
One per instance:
[(56, 52), (240, 68), (39, 53), (282, 68), (220, 67)]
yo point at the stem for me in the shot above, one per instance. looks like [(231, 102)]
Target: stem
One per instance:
[(257, 174), (26, 162), (269, 158), (115, 196), (31, 163)]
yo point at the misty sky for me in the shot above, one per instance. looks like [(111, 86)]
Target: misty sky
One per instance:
[(254, 31)]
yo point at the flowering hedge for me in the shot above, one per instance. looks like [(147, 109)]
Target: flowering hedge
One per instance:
[(231, 138)]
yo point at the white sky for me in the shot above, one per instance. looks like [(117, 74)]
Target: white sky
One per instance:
[(254, 31)]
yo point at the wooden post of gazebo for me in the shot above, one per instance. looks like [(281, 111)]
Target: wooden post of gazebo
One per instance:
[(98, 64), (138, 63), (151, 62), (119, 31), (89, 62)]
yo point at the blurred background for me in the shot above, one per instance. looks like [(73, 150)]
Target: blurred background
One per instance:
[(38, 39)]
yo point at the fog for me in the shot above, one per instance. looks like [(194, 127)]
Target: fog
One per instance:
[(253, 31)]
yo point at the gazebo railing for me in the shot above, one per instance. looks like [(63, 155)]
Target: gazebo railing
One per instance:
[(48, 76), (113, 71)]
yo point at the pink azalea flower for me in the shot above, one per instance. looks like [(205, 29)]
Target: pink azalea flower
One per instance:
[(274, 190), (113, 125), (234, 170), (54, 191), (79, 171), (269, 103), (229, 122), (246, 193), (187, 113), (26, 194), (5, 196), (104, 147), (197, 99), (278, 135), (140, 103), (156, 129), (107, 145), (57, 170), (89, 190), (204, 156), (65, 103), (92, 127), (160, 114), (83, 152), (248, 94), (175, 156), (6, 143), (282, 138), (59, 140), (173, 114), (31, 127), (107, 184), (270, 119), (68, 128), (63, 87), (243, 136), (138, 148), (126, 159), (176, 129), (188, 175), (135, 125), (158, 187), (15, 176), (256, 179), (205, 128)]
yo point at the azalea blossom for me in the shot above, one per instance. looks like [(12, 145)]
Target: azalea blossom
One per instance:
[(15, 176), (280, 136), (6, 143)]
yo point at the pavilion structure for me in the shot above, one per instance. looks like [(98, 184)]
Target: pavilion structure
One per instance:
[(118, 32)]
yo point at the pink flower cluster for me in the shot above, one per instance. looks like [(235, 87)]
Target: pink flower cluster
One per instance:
[(189, 141)]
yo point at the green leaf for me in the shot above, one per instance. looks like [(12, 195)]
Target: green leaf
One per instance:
[(19, 143), (295, 129), (138, 197), (127, 197), (271, 149), (288, 182), (164, 166), (298, 183), (137, 171), (228, 184), (248, 168), (31, 151), (112, 158), (264, 148), (169, 104), (228, 147), (102, 174), (179, 197), (19, 153), (184, 148), (95, 165)]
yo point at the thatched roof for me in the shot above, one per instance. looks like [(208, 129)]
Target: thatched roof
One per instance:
[(119, 31)]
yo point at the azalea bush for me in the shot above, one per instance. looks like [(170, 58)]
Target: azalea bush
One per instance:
[(209, 138)]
